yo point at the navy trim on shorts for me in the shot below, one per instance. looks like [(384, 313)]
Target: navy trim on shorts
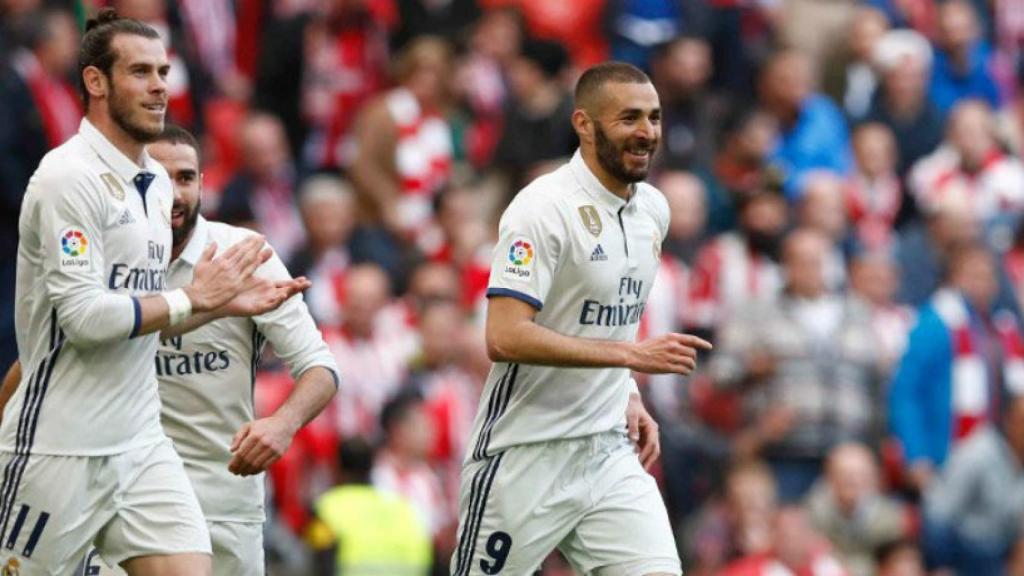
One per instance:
[(491, 292), (28, 420), (480, 490)]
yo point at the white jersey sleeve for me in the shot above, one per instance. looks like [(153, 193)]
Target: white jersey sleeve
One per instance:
[(529, 248), (290, 329), (71, 222)]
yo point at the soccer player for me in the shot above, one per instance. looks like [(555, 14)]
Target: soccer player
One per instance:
[(206, 377), (83, 453), (550, 463)]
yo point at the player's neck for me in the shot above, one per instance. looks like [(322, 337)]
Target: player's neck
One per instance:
[(613, 184), (121, 140), (179, 247)]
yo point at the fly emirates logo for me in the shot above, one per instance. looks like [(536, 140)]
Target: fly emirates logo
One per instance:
[(621, 313), (180, 363), (149, 279)]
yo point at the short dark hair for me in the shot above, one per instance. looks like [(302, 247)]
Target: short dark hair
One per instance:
[(174, 134), (355, 459), (96, 43), (396, 409), (591, 82), (549, 57)]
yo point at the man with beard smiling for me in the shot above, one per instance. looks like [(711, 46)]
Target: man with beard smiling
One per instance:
[(552, 461), (206, 377), (84, 456)]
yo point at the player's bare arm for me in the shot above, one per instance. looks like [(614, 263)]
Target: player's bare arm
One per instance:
[(10, 384), (260, 443), (513, 336)]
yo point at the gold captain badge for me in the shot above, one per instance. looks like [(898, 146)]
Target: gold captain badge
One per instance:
[(591, 219)]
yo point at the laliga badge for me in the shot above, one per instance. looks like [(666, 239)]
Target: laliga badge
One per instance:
[(520, 260), (74, 250)]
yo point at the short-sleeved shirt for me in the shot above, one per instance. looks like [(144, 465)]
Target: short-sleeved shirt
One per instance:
[(95, 236), (207, 377), (585, 259)]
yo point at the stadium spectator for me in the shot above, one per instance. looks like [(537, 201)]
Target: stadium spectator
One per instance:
[(962, 353), (971, 168), (874, 193), (874, 279), (813, 131), (345, 60), (327, 205), (904, 59), (847, 507), (262, 195), (481, 81), (850, 78), (403, 144), (821, 207), (924, 245), (738, 267), (963, 60), (740, 525), (372, 356), (536, 127), (637, 29), (680, 70), (973, 509), (39, 111), (741, 165), (805, 368), (463, 242), (899, 558), (402, 467), (796, 549), (315, 68), (668, 302), (361, 529)]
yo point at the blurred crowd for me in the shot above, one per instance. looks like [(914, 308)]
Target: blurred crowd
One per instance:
[(846, 192)]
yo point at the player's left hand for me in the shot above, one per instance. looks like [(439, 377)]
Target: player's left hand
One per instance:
[(262, 296), (259, 444), (643, 431)]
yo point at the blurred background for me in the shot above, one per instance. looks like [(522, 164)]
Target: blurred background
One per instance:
[(846, 196)]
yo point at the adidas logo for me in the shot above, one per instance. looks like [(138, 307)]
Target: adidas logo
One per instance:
[(126, 218), (598, 254)]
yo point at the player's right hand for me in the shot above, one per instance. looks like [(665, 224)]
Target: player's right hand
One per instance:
[(668, 354), (261, 295), (218, 280)]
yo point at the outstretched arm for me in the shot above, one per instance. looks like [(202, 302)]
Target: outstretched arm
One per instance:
[(513, 336)]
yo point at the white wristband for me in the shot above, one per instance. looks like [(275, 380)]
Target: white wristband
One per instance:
[(178, 304)]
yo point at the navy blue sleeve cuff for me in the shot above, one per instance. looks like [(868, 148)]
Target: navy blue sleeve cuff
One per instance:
[(492, 292), (138, 318)]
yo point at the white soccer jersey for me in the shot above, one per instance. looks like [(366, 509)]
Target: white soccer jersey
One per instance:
[(95, 236), (207, 377), (585, 259)]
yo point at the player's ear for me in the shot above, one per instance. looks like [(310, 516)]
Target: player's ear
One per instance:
[(95, 82), (583, 124)]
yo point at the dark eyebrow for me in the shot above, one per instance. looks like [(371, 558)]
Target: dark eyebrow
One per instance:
[(639, 112), (187, 172)]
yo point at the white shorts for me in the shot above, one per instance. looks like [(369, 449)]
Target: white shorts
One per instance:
[(137, 503), (237, 551), (588, 497)]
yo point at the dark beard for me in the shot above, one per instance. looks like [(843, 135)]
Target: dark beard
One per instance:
[(181, 234), (120, 117), (610, 158)]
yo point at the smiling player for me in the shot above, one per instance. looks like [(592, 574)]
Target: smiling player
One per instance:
[(550, 463)]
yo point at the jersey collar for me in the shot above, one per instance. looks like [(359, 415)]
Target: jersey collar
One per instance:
[(197, 243), (111, 156), (601, 195)]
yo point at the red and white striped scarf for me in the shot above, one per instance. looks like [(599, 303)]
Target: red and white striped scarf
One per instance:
[(975, 396)]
